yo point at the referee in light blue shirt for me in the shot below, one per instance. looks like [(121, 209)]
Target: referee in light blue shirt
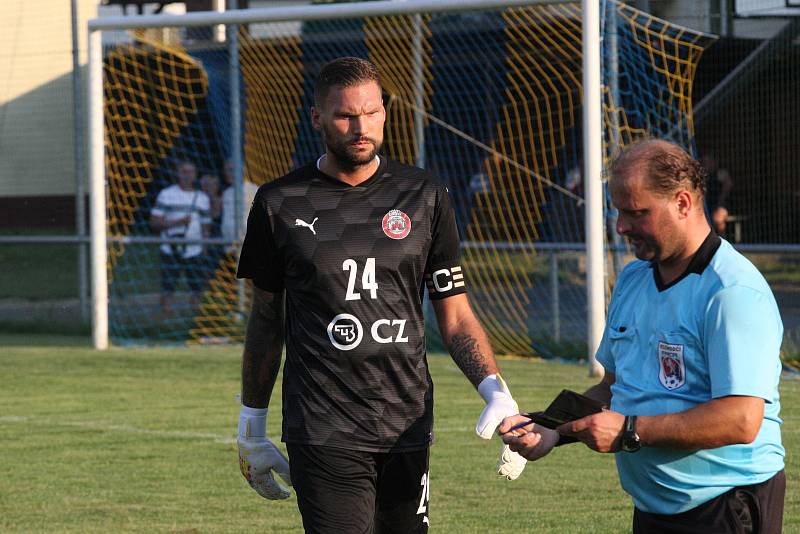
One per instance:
[(691, 353)]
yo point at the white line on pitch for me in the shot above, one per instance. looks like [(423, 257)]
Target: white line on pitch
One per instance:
[(97, 425)]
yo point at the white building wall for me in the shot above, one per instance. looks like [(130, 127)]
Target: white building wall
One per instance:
[(36, 98), (36, 104)]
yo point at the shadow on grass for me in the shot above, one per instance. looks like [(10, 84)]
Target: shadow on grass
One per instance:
[(44, 334)]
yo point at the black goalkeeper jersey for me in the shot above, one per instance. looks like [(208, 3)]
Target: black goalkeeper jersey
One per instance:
[(354, 261)]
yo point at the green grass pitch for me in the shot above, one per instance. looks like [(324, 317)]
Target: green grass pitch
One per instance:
[(141, 440)]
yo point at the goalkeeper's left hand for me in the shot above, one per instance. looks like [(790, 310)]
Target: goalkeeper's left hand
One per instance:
[(499, 405), (531, 441)]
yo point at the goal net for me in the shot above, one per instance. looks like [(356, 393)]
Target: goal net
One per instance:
[(488, 100)]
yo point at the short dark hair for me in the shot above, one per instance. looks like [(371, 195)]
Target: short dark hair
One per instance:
[(344, 72), (666, 166)]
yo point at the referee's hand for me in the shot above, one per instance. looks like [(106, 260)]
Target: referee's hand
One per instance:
[(601, 432)]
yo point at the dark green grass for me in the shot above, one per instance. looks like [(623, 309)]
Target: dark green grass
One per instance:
[(140, 440), (38, 271), (49, 271)]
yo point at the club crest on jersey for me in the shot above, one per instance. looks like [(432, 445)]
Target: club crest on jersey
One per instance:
[(671, 368), (396, 224)]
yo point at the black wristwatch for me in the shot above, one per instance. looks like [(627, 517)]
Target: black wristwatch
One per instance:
[(630, 439)]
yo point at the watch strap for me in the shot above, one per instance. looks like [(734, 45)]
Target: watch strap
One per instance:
[(630, 439)]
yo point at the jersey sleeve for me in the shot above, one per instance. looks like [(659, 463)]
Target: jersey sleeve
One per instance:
[(260, 258), (743, 334), (603, 354), (444, 276)]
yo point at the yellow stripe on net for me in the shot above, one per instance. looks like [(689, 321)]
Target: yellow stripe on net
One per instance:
[(399, 47), (541, 94), (152, 89), (272, 71)]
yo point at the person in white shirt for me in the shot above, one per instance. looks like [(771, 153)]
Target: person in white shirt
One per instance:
[(181, 212)]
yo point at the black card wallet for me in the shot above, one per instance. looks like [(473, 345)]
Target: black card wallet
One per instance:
[(567, 406)]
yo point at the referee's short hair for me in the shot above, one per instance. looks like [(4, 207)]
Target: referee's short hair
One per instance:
[(666, 166), (344, 72)]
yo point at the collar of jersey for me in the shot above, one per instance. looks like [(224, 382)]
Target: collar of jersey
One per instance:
[(697, 264), (376, 176)]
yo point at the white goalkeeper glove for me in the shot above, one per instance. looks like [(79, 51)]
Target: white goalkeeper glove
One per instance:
[(259, 457), (499, 405)]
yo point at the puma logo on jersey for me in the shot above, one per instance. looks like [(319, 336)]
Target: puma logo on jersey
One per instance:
[(310, 226)]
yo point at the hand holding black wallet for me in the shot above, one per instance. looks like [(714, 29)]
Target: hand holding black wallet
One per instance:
[(567, 406)]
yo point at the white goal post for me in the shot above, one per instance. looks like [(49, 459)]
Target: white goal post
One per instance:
[(592, 126)]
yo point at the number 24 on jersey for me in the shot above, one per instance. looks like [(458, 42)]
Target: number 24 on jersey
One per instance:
[(368, 282)]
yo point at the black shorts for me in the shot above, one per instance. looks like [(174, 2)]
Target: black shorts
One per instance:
[(756, 509), (354, 492), (172, 266)]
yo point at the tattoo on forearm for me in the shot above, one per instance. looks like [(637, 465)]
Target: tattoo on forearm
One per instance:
[(465, 352), (262, 348)]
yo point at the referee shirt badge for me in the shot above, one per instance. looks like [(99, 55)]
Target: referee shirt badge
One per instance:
[(396, 224), (671, 368)]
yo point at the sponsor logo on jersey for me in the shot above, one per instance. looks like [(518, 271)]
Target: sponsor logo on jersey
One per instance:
[(310, 226), (396, 224), (443, 280), (345, 331), (671, 368)]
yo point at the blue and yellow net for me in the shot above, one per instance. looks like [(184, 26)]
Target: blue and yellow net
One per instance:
[(490, 101)]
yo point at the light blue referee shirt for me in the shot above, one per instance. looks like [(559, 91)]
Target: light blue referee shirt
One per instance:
[(716, 331)]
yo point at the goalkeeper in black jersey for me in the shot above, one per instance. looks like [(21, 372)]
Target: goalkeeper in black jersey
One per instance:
[(339, 252)]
